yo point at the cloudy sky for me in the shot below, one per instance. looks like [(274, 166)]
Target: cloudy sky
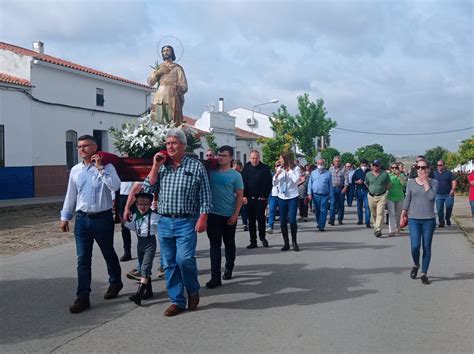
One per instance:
[(397, 66)]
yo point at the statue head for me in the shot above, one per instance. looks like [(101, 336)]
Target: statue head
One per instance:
[(168, 54)]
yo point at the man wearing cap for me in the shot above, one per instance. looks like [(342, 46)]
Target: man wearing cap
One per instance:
[(89, 194), (378, 183), (184, 201)]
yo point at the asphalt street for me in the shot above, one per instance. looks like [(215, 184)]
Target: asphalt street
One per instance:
[(345, 291)]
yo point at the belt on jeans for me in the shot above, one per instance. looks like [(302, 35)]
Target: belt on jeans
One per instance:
[(321, 194), (376, 195), (258, 198), (95, 215), (177, 216)]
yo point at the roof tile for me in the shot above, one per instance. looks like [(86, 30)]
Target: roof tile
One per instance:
[(10, 79), (65, 63)]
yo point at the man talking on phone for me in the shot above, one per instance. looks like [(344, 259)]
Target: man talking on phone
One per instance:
[(89, 195)]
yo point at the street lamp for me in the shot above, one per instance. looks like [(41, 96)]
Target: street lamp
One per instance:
[(253, 114)]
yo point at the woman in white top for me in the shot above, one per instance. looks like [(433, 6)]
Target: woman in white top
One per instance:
[(286, 178)]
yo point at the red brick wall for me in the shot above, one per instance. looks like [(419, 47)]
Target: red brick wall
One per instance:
[(50, 180)]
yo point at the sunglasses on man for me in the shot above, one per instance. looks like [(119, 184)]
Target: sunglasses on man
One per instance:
[(421, 167)]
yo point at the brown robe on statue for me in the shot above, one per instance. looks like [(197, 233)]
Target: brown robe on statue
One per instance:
[(167, 105)]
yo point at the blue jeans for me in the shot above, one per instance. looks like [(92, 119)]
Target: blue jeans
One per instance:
[(421, 234), (337, 203), (272, 205), (472, 207), (441, 200), (100, 229), (362, 205), (288, 210), (320, 204), (350, 194), (178, 247)]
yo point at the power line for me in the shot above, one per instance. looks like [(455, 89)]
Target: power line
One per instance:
[(400, 134)]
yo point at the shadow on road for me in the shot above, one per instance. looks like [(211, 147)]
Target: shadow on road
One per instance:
[(38, 308), (278, 285)]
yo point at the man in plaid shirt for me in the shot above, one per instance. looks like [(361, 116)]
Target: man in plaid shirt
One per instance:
[(184, 200), (340, 184)]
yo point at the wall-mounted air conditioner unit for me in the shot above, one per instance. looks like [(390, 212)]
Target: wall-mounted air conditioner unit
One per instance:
[(251, 122)]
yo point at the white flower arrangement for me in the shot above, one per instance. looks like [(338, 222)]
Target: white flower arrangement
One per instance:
[(147, 137)]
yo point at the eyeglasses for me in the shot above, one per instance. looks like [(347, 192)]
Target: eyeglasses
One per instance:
[(79, 147), (421, 167), (394, 167), (209, 155)]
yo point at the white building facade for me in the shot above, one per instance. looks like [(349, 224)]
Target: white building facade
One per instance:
[(46, 103)]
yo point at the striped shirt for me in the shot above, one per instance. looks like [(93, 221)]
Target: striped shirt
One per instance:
[(185, 190)]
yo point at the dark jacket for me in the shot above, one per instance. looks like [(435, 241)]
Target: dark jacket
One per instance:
[(359, 174), (257, 180)]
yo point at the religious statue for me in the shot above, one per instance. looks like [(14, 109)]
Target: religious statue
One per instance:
[(167, 105)]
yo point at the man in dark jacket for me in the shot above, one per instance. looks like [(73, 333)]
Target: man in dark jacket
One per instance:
[(257, 187)]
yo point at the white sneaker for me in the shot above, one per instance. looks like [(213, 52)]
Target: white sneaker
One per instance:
[(269, 231)]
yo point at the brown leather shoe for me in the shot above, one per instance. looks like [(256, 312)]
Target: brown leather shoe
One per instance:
[(193, 302), (173, 310)]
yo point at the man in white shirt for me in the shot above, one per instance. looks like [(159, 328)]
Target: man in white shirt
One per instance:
[(89, 194)]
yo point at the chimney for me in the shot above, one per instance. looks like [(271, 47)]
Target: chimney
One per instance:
[(221, 104), (38, 47)]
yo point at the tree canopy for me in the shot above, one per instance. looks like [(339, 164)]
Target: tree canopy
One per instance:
[(328, 155), (300, 130), (374, 152), (435, 154)]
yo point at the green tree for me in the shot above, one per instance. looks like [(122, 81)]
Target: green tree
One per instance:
[(211, 142), (466, 149), (375, 152), (435, 154), (300, 130), (348, 157), (311, 123), (328, 155), (452, 160)]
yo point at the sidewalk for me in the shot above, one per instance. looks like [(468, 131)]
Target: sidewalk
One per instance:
[(33, 202), (463, 217)]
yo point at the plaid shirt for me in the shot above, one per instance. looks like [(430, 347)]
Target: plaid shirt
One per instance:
[(339, 176), (185, 190)]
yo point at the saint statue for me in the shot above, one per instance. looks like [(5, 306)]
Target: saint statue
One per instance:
[(167, 105)]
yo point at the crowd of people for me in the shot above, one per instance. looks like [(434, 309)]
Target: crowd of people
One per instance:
[(181, 197)]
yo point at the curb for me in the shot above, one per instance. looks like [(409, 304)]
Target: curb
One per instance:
[(469, 236)]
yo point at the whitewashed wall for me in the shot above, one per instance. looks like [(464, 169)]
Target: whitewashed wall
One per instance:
[(15, 115)]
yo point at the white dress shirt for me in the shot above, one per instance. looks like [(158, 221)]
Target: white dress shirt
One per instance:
[(89, 189), (287, 183)]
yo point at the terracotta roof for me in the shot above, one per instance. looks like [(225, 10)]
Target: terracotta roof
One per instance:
[(14, 80), (65, 63), (243, 134)]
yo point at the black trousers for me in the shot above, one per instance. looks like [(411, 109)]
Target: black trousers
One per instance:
[(218, 231), (303, 207), (126, 235), (256, 214)]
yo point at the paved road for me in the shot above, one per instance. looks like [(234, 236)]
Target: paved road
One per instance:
[(346, 291)]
